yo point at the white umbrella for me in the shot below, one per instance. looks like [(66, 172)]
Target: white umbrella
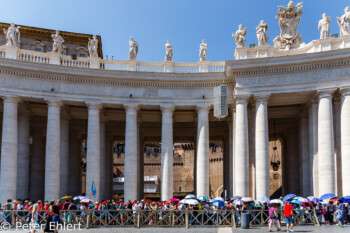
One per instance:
[(220, 199), (238, 202), (277, 201), (191, 202)]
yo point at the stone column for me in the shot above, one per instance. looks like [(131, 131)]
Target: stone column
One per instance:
[(337, 146), (326, 164), (203, 151), (37, 166), (131, 153), (167, 153), (305, 157), (8, 180), (241, 148), (345, 139), (52, 161), (262, 148), (233, 150), (64, 157), (103, 158), (313, 142), (74, 163), (251, 142), (93, 153), (23, 153)]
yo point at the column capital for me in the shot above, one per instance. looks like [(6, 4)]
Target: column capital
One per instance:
[(344, 91), (203, 107), (54, 103), (241, 99), (94, 106), (167, 108), (325, 93), (131, 107), (11, 99), (262, 98)]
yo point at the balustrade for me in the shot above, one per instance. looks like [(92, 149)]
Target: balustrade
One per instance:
[(81, 62)]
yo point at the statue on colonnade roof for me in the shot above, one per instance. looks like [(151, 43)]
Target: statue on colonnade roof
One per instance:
[(289, 19), (12, 35), (240, 36), (134, 49), (344, 23)]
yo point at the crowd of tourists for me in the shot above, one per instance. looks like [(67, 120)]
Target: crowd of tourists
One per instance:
[(200, 210)]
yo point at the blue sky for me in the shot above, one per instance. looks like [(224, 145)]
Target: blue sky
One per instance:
[(152, 22)]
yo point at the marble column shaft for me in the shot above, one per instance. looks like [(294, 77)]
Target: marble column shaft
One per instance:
[(93, 153), (64, 160), (52, 162), (313, 143), (262, 148), (8, 179), (131, 153), (233, 150), (167, 153), (23, 156), (242, 148), (305, 156), (202, 176), (326, 163), (345, 140)]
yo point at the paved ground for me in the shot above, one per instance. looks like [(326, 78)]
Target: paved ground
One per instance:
[(322, 229)]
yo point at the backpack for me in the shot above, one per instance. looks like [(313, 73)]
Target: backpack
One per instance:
[(272, 215)]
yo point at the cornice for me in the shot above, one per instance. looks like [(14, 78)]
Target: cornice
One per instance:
[(111, 78), (289, 64)]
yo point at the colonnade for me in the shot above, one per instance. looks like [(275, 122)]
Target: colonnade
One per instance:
[(318, 155)]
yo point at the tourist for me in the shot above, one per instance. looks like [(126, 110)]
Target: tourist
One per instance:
[(318, 210), (330, 210), (348, 211), (341, 213), (34, 219), (289, 217), (8, 206), (273, 218), (55, 212)]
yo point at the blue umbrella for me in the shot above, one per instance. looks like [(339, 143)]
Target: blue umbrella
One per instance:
[(203, 198), (288, 197), (235, 198), (218, 203), (345, 199), (190, 196), (263, 199), (327, 196), (297, 202), (77, 197)]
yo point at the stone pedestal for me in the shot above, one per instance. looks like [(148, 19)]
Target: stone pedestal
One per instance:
[(168, 66), (132, 65), (203, 151), (203, 66), (52, 162), (11, 52), (55, 58), (95, 62), (167, 153), (93, 155), (325, 45), (262, 148), (263, 51), (241, 53), (131, 153), (8, 180)]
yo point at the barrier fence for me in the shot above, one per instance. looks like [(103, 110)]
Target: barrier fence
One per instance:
[(156, 218)]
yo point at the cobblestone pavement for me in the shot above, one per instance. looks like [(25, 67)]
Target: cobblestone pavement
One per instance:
[(322, 229)]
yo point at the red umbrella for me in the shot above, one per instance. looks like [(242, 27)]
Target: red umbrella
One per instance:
[(174, 200)]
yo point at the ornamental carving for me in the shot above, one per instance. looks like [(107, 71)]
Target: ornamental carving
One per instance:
[(289, 19)]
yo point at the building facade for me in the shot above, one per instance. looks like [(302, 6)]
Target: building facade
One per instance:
[(293, 93)]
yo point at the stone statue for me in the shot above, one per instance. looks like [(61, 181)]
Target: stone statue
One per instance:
[(134, 49), (344, 23), (168, 51), (203, 51), (93, 46), (57, 46), (240, 36), (324, 26), (261, 33), (289, 19), (13, 35)]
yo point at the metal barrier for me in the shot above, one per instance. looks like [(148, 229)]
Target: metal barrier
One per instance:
[(157, 218)]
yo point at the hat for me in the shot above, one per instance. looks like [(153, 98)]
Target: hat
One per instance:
[(96, 202)]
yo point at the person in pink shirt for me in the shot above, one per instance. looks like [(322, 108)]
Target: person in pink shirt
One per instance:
[(273, 217)]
